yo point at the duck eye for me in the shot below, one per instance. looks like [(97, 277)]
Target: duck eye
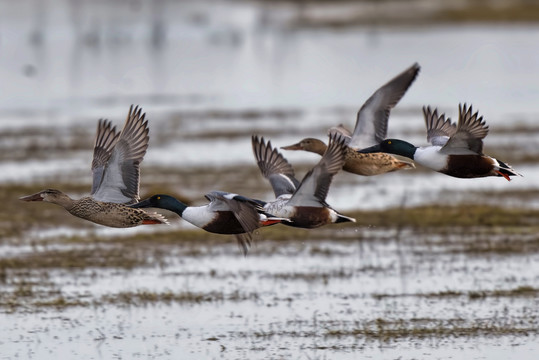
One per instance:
[(389, 142), (159, 198)]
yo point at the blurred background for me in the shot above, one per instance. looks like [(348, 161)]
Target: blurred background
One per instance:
[(211, 73)]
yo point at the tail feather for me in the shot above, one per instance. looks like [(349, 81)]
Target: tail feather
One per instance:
[(506, 170), (405, 165), (154, 219), (268, 219), (342, 218)]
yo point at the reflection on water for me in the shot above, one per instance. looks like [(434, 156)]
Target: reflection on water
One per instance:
[(85, 58)]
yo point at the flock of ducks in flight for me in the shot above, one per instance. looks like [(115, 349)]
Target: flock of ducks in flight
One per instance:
[(456, 150)]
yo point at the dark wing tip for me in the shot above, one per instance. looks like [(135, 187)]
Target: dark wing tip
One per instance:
[(472, 122)]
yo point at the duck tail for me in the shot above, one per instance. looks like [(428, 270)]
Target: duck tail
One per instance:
[(342, 218), (154, 219), (505, 170), (403, 165), (268, 219)]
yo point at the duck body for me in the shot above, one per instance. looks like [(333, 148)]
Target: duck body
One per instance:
[(99, 212), (373, 164), (112, 214), (356, 163), (307, 217), (461, 166), (217, 222)]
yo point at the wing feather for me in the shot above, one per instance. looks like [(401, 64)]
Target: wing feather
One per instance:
[(314, 187), (244, 211), (121, 173), (274, 167), (439, 129), (471, 130), (105, 140), (372, 118)]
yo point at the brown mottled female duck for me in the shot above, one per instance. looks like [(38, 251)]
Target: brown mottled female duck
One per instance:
[(456, 150), (116, 174), (371, 128), (303, 203)]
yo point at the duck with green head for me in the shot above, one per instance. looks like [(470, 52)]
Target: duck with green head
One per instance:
[(226, 213), (455, 150)]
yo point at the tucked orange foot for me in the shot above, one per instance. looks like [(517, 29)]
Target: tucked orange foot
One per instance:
[(504, 175)]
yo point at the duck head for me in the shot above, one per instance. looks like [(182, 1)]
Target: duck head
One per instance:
[(308, 144), (162, 201), (392, 146), (48, 195)]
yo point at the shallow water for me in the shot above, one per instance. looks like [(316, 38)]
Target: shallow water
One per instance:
[(316, 303)]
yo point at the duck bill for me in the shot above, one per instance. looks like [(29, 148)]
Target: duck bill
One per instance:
[(141, 204), (33, 197), (372, 149), (292, 147)]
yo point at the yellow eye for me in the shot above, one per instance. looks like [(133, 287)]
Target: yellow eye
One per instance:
[(389, 142), (159, 198)]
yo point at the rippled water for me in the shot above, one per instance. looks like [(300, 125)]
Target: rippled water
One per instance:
[(308, 306)]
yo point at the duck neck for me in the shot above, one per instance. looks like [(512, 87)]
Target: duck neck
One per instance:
[(65, 201), (408, 152), (174, 205), (399, 147), (318, 147)]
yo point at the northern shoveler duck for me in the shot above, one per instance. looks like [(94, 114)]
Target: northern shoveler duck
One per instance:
[(371, 128), (226, 213), (304, 203), (456, 150), (116, 174)]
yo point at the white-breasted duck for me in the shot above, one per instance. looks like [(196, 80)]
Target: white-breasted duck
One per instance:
[(455, 150), (227, 213)]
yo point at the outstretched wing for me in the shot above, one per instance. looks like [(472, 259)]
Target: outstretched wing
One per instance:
[(117, 178), (104, 143), (439, 130), (274, 167), (244, 210), (343, 131), (371, 123), (314, 187), (471, 130)]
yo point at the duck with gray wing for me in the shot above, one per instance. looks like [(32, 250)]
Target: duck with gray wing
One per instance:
[(304, 203), (116, 174), (371, 128)]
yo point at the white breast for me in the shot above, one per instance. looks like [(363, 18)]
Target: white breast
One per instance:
[(430, 157), (198, 215)]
